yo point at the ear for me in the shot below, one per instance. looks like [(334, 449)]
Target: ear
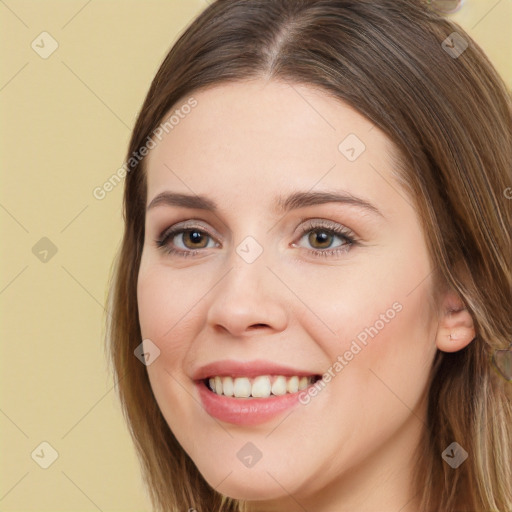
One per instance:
[(456, 329)]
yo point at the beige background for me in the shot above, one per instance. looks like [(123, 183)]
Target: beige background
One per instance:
[(65, 128)]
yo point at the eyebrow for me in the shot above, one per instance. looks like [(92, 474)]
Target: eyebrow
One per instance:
[(282, 205)]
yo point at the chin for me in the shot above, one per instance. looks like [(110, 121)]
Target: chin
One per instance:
[(244, 485)]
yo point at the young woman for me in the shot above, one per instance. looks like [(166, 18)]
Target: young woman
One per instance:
[(311, 307)]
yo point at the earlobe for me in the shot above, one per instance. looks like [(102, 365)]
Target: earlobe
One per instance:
[(456, 328)]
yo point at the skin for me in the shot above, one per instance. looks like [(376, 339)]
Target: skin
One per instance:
[(351, 448)]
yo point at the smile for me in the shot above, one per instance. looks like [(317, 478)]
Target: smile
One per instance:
[(262, 386), (250, 392)]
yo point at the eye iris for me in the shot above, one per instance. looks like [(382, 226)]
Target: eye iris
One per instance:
[(195, 237), (319, 236)]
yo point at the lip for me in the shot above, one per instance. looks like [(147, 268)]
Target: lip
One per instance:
[(247, 369), (245, 411)]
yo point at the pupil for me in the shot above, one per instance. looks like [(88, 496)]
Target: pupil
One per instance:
[(195, 236), (321, 237)]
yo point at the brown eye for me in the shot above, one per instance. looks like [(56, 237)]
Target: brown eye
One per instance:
[(321, 237), (185, 241), (197, 239)]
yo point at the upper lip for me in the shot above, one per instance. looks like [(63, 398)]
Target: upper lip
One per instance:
[(246, 369)]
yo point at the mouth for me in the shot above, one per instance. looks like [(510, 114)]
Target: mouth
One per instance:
[(250, 393), (261, 386)]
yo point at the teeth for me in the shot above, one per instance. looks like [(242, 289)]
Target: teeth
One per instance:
[(279, 386), (262, 386), (227, 386), (242, 387), (292, 386), (218, 383)]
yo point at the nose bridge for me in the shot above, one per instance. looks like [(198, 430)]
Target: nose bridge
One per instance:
[(253, 244), (248, 277), (248, 294)]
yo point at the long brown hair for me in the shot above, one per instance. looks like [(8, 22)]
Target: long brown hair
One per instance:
[(450, 117)]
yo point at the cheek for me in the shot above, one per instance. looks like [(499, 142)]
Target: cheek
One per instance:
[(167, 312), (379, 300), (377, 383), (384, 328), (167, 306)]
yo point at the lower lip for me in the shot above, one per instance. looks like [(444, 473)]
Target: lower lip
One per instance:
[(245, 411)]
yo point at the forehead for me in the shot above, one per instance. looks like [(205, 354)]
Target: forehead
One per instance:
[(256, 138)]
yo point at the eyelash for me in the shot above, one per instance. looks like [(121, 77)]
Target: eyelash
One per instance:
[(325, 226)]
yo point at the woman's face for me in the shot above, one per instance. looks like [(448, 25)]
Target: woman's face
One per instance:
[(276, 283)]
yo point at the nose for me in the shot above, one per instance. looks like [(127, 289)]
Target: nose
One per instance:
[(248, 300)]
